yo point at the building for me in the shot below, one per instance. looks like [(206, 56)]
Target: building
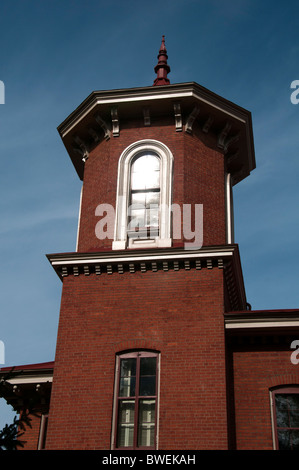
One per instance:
[(157, 347)]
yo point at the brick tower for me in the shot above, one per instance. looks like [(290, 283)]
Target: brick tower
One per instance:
[(140, 358)]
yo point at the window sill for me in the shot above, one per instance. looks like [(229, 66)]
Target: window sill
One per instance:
[(137, 243)]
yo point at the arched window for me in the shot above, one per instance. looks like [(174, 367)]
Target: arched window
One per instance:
[(136, 397), (285, 414), (144, 200), (143, 204)]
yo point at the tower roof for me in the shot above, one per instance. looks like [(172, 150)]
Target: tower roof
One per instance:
[(162, 68), (101, 114)]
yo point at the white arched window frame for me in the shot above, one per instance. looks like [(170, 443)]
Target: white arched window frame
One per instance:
[(163, 239)]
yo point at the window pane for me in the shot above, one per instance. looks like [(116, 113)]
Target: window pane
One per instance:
[(152, 199), (127, 386), (128, 367), (147, 386), (147, 411), (147, 376), (283, 440), (152, 163), (143, 218), (295, 440), (282, 413), (145, 172), (126, 423), (137, 219), (127, 377), (148, 162), (288, 440), (152, 218), (146, 423), (294, 419), (152, 180), (138, 199), (281, 401), (293, 401), (148, 365), (138, 181)]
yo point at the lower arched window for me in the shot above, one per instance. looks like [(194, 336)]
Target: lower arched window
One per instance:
[(136, 400), (285, 412)]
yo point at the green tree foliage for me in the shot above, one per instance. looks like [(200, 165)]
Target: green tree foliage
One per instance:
[(10, 435)]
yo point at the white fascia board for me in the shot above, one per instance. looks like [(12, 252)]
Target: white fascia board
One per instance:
[(129, 98), (30, 380), (262, 324)]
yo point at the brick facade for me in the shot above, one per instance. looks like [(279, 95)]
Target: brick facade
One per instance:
[(30, 437), (218, 359), (259, 365), (177, 313), (198, 176), (103, 315)]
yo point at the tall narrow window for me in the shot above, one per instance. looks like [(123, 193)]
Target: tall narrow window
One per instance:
[(144, 201), (285, 403), (144, 196), (136, 401)]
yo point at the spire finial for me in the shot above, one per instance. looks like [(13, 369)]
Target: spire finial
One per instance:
[(162, 68)]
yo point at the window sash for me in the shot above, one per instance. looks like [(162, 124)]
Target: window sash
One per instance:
[(136, 414), (286, 417), (144, 199)]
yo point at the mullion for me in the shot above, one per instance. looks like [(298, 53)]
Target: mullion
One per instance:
[(147, 190)]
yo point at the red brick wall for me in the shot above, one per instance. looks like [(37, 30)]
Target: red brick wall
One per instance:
[(180, 314), (198, 179), (204, 184), (255, 372), (31, 434)]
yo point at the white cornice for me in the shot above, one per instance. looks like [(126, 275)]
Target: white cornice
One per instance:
[(262, 319), (108, 98), (30, 380), (100, 116), (170, 92), (173, 259), (137, 257)]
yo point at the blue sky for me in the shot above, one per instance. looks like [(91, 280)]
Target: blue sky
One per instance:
[(55, 53)]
